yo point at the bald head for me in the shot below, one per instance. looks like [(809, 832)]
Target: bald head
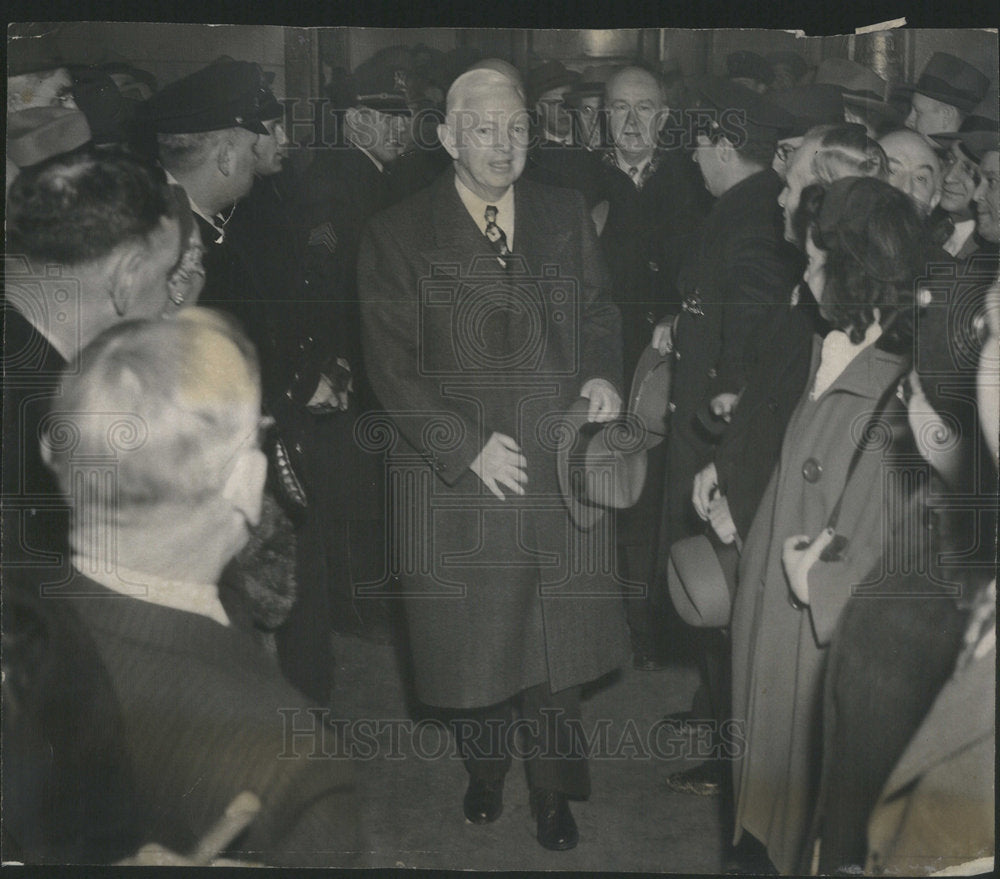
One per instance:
[(632, 78), (914, 167), (482, 84)]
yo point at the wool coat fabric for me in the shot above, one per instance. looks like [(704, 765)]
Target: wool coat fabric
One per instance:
[(778, 650), (207, 715), (743, 277), (500, 595)]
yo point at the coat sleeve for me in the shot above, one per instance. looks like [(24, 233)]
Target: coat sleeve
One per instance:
[(600, 325), (759, 275), (831, 584), (445, 429)]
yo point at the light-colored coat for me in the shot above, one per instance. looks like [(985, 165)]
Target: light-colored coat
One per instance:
[(778, 651)]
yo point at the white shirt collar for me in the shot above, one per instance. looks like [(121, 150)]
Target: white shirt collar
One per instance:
[(639, 166), (565, 141), (959, 235), (197, 598), (477, 209), (837, 354)]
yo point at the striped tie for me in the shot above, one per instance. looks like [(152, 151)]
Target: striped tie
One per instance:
[(496, 235)]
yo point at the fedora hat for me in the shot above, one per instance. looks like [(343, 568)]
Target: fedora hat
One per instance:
[(603, 466), (701, 578), (864, 91), (949, 79), (547, 76)]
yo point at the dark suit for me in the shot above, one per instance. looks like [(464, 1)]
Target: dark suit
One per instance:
[(495, 603), (749, 449), (650, 233), (202, 711), (744, 276), (566, 166)]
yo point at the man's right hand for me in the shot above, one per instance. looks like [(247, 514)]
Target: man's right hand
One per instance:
[(663, 336), (706, 485), (501, 463)]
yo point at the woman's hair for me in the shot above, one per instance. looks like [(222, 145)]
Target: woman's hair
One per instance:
[(875, 249)]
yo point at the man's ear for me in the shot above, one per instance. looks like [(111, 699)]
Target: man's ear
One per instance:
[(224, 156), (125, 273), (446, 134), (244, 487), (724, 149)]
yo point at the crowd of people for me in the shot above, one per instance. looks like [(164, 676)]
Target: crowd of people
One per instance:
[(533, 374)]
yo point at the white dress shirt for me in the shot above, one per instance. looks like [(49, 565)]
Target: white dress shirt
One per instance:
[(477, 209)]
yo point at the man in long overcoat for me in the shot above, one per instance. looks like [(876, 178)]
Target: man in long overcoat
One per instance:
[(486, 315)]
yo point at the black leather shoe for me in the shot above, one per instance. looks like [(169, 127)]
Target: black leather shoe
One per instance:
[(483, 801), (556, 827)]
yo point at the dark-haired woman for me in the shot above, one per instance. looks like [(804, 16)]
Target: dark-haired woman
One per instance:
[(865, 247)]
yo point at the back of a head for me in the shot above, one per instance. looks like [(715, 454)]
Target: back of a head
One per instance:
[(846, 151), (168, 401), (875, 244), (76, 208)]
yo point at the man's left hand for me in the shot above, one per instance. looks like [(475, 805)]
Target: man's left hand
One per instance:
[(605, 404)]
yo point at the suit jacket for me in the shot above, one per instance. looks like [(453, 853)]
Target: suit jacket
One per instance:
[(459, 348), (649, 235), (742, 279), (749, 448), (206, 715), (566, 166)]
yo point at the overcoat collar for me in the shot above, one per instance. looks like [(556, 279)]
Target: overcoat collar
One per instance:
[(867, 375)]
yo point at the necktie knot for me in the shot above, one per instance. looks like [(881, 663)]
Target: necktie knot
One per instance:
[(496, 236)]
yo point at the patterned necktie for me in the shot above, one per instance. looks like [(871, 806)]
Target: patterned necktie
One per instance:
[(496, 235)]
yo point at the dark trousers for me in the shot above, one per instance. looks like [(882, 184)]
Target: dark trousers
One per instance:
[(544, 735), (305, 653)]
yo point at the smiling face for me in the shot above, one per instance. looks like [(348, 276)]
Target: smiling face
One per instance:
[(913, 168), (961, 177), (487, 135)]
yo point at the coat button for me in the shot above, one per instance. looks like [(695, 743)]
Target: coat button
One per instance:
[(298, 448), (812, 470), (772, 404), (672, 406), (653, 266), (712, 373)]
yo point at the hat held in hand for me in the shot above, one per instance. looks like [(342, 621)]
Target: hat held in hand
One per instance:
[(603, 466)]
